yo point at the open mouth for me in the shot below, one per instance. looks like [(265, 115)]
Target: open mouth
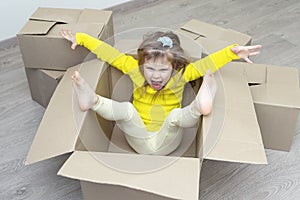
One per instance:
[(157, 85)]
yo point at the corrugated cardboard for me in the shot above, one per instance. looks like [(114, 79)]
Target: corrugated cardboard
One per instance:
[(211, 37), (276, 96), (42, 46), (42, 84), (109, 169), (99, 169), (232, 122), (63, 125)]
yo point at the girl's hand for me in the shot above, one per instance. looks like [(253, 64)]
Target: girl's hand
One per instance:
[(68, 35), (244, 52)]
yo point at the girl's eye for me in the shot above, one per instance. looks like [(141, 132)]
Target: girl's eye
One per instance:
[(149, 68)]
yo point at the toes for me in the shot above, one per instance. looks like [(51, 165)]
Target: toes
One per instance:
[(77, 78)]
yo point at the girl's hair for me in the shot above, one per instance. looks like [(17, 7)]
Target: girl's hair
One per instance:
[(153, 48)]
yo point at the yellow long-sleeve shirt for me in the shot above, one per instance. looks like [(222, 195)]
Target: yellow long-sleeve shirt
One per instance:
[(154, 109)]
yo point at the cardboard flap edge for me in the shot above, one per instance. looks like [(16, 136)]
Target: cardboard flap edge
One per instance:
[(86, 166)]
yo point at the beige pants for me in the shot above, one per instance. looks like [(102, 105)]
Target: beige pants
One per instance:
[(162, 142)]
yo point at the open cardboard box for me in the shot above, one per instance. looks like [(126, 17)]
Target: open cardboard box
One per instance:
[(108, 168), (48, 49), (212, 37), (42, 84), (276, 96)]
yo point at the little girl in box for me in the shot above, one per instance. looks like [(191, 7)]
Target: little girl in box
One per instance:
[(153, 123)]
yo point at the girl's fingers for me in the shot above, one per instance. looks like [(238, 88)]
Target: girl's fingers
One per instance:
[(254, 47), (248, 60), (254, 53)]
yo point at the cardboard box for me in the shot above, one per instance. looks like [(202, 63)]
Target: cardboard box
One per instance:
[(229, 133), (42, 46), (211, 37), (42, 84), (276, 96)]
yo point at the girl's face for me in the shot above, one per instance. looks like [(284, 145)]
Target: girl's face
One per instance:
[(157, 72)]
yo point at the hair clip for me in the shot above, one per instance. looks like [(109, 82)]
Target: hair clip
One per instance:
[(166, 41)]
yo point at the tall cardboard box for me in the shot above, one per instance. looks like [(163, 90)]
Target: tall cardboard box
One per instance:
[(42, 46), (276, 96), (212, 37), (229, 133), (42, 84)]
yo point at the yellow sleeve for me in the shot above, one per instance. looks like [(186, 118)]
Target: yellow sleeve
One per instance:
[(213, 62), (107, 53)]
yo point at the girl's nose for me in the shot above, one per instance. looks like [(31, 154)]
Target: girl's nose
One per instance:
[(156, 74)]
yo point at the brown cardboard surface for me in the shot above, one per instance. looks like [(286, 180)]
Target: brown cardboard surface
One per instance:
[(42, 84), (81, 164), (212, 37), (42, 46), (231, 131), (277, 106), (37, 27), (64, 128), (60, 128), (281, 88), (56, 15), (92, 191), (276, 96), (277, 125), (89, 166)]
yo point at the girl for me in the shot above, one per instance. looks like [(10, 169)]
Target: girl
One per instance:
[(153, 123)]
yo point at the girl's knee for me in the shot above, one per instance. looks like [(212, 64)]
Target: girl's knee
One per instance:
[(205, 108)]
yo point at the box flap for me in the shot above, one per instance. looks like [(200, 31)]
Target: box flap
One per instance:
[(203, 29), (93, 29), (285, 76), (59, 128), (192, 49), (93, 15), (276, 95), (235, 37), (189, 34), (281, 88), (213, 32), (56, 15), (36, 27), (212, 45), (235, 135), (54, 73), (172, 177), (255, 73)]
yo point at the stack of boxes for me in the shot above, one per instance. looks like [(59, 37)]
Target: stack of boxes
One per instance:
[(265, 112), (47, 55)]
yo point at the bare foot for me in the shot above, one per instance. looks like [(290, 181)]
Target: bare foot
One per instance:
[(87, 98), (206, 94)]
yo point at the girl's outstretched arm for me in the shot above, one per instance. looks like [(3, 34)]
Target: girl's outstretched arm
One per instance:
[(218, 59), (102, 50)]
